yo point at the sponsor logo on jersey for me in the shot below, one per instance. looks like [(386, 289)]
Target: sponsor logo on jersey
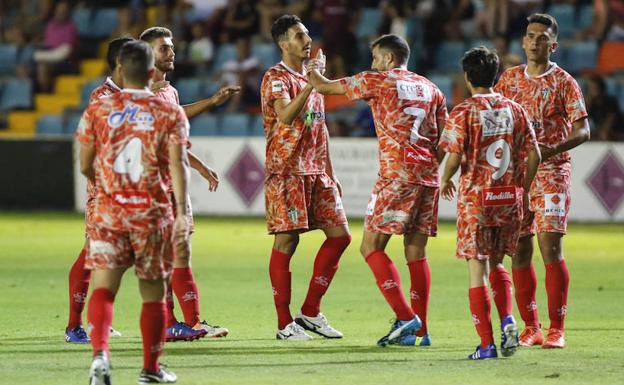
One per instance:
[(413, 91), (499, 196), (142, 121), (496, 122), (277, 86), (132, 200), (417, 155), (311, 115), (554, 205)]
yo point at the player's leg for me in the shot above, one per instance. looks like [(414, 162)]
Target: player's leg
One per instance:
[(389, 283), (78, 288), (480, 309), (420, 280), (557, 281)]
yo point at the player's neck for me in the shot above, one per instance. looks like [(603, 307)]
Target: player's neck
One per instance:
[(296, 64), (117, 79), (537, 68), (159, 75), (134, 86)]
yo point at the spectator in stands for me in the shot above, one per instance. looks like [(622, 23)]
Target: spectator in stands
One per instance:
[(200, 49), (60, 36), (603, 110), (244, 71), (395, 13), (269, 10), (339, 42), (240, 21)]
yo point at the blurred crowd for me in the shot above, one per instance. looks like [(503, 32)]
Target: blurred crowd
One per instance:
[(200, 27)]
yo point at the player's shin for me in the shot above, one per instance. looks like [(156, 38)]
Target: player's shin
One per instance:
[(100, 318), (420, 277), (389, 283), (281, 283), (78, 288), (500, 281), (153, 317)]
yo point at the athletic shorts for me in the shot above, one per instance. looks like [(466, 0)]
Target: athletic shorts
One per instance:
[(302, 202), (150, 251), (89, 214), (549, 204), (401, 208), (481, 242)]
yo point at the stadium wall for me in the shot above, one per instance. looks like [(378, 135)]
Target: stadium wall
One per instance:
[(36, 174), (597, 178)]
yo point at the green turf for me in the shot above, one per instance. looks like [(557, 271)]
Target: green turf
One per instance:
[(230, 266)]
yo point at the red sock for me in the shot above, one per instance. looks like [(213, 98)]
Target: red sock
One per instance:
[(557, 280), (525, 284), (325, 266), (153, 315), (100, 318), (500, 281), (185, 289), (389, 283), (420, 276), (480, 309), (78, 288), (279, 271), (171, 318)]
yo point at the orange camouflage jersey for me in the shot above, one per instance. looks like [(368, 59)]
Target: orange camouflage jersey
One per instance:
[(105, 89), (169, 93), (494, 137), (301, 147), (131, 131), (553, 101), (409, 113)]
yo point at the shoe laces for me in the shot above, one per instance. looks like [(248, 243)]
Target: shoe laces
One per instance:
[(80, 332), (296, 328), (205, 323)]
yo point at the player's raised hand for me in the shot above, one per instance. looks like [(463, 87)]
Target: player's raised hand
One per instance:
[(317, 63), (224, 94), (211, 176), (447, 190), (159, 85)]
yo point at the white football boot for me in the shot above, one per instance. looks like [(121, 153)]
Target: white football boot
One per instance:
[(318, 325), (100, 372), (293, 332)]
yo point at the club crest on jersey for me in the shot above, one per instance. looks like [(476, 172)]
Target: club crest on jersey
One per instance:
[(496, 121), (293, 215), (413, 91), (545, 92), (143, 121)]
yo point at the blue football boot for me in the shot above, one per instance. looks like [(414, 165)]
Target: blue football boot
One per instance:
[(77, 336), (484, 353), (399, 330)]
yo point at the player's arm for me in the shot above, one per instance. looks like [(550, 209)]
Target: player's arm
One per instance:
[(215, 100), (533, 161), (288, 109), (206, 172), (578, 136), (326, 86), (87, 156), (179, 170), (447, 186)]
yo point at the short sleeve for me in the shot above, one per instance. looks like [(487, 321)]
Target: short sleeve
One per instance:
[(529, 140), (501, 85), (85, 133), (573, 99), (454, 134), (274, 86), (361, 86)]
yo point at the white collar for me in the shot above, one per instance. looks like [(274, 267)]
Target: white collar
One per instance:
[(485, 95), (110, 82), (292, 71), (552, 67), (138, 91)]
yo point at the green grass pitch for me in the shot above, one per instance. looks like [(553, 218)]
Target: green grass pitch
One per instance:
[(231, 267)]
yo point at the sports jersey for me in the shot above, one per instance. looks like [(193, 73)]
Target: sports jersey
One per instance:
[(169, 93), (105, 89), (494, 137), (409, 113), (299, 148), (553, 101), (131, 131)]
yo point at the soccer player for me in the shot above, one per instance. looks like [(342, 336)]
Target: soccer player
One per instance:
[(491, 137), (130, 142), (79, 276), (182, 281), (301, 191), (557, 111), (409, 113)]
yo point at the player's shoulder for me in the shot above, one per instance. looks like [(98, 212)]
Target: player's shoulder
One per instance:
[(465, 106), (562, 74), (276, 71), (513, 72)]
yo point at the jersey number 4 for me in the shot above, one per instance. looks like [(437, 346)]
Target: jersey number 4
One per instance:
[(498, 155), (129, 160)]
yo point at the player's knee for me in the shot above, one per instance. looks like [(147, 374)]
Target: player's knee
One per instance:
[(286, 244)]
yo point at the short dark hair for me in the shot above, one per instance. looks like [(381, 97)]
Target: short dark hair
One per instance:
[(395, 44), (114, 46), (154, 33), (545, 19), (136, 58), (281, 25), (481, 66)]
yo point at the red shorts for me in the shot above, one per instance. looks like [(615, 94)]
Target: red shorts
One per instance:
[(480, 242), (150, 251), (549, 204), (302, 202), (397, 207)]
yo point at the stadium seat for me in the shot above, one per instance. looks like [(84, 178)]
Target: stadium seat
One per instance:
[(210, 87), (612, 86), (560, 56), (189, 90), (515, 48), (225, 52), (236, 124), (266, 53), (25, 54), (71, 122), (448, 56), (16, 93), (370, 18), (50, 125), (610, 58), (581, 56), (82, 20), (8, 58), (564, 14), (414, 30), (621, 99), (205, 125), (257, 126), (86, 90), (585, 17), (445, 84), (105, 22)]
